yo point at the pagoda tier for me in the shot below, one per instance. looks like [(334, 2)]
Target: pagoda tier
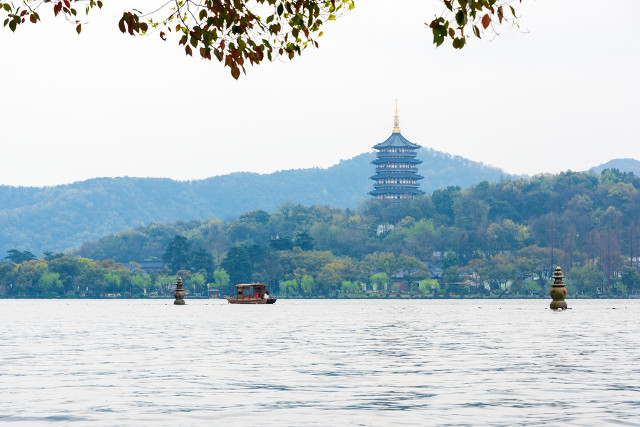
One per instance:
[(397, 183), (396, 161), (395, 155), (396, 176), (397, 191)]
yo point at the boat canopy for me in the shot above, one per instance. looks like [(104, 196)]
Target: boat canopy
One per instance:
[(244, 285)]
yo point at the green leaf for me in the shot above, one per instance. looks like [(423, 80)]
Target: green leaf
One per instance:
[(439, 35), (79, 28)]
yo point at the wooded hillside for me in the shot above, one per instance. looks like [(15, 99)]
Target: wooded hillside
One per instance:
[(63, 217), (490, 239)]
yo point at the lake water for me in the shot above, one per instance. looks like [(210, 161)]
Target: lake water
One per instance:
[(320, 362)]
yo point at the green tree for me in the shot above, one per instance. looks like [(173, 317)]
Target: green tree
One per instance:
[(69, 269), (196, 283), (584, 280), (50, 284), (533, 262), (631, 279), (498, 271), (304, 241), (526, 287), (27, 275), (281, 244), (113, 283), (429, 286), (176, 255), (201, 260), (412, 268), (307, 285), (383, 262), (379, 282), (18, 256), (334, 273), (237, 264), (7, 272), (222, 281), (350, 287), (257, 216), (165, 284), (91, 280), (289, 288), (140, 284), (50, 256)]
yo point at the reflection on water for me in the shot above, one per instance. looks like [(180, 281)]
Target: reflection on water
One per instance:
[(320, 362)]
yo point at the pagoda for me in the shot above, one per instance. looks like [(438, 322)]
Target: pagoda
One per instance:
[(396, 176)]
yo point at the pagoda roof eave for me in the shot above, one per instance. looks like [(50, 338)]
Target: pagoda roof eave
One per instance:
[(398, 141), (380, 161), (398, 171), (405, 175), (396, 191)]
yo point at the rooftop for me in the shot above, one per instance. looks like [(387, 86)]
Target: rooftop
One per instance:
[(396, 140)]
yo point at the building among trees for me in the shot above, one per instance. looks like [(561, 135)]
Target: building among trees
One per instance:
[(396, 176)]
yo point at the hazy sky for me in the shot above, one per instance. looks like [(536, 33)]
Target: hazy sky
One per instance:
[(560, 93)]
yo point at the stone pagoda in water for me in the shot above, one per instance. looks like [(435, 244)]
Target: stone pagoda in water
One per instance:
[(396, 176), (558, 291)]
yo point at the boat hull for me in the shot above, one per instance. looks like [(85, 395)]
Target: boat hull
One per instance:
[(234, 300)]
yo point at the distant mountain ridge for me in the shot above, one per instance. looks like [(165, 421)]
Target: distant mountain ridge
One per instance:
[(623, 165), (62, 217)]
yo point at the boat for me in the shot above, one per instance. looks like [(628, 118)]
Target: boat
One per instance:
[(253, 293)]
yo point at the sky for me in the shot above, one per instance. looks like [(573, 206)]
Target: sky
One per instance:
[(561, 92)]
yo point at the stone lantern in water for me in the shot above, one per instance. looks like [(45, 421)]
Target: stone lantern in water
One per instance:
[(179, 293), (558, 291)]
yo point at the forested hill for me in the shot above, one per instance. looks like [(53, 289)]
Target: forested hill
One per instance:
[(623, 165), (62, 217), (488, 239)]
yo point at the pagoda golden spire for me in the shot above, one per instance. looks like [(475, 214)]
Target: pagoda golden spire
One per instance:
[(396, 120)]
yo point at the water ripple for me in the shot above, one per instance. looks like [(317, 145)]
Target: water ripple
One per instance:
[(320, 362)]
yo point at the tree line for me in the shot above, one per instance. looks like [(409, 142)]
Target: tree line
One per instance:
[(492, 239)]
